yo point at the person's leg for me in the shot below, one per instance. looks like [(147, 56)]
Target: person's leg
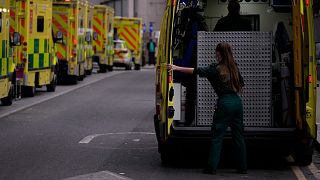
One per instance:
[(149, 58), (153, 58), (237, 128), (221, 120)]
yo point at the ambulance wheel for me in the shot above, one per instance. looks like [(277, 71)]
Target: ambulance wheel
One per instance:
[(303, 154), (73, 79), (7, 101), (28, 91), (137, 67), (128, 67), (80, 78), (110, 68), (102, 68), (89, 72), (52, 86), (165, 154)]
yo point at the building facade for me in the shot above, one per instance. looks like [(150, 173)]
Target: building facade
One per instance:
[(150, 11)]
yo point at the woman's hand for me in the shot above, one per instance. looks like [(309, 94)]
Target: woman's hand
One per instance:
[(172, 67), (187, 70)]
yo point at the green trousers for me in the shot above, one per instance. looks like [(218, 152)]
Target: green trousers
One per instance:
[(229, 112)]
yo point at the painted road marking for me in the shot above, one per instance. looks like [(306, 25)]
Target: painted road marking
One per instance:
[(315, 171), (296, 169), (299, 174), (99, 175), (89, 138)]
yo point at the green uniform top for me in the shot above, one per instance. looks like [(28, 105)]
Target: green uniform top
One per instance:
[(212, 74)]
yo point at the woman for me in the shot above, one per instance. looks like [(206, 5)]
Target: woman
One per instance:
[(227, 82)]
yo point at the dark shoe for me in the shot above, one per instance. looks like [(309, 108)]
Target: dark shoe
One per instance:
[(210, 171), (242, 171)]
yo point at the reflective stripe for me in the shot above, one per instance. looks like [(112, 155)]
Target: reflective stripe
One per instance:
[(60, 23)]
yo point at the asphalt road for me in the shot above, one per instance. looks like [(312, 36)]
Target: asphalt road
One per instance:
[(102, 128)]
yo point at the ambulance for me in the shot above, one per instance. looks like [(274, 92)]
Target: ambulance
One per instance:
[(103, 37), (6, 62), (34, 48), (130, 31), (276, 60), (88, 65), (68, 20)]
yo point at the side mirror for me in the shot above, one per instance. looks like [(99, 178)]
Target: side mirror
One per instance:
[(16, 39), (59, 37), (95, 36), (88, 37)]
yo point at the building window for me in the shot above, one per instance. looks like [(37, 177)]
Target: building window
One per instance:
[(40, 24)]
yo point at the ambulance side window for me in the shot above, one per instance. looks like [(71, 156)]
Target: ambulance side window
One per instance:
[(40, 24), (81, 23), (90, 24), (0, 22)]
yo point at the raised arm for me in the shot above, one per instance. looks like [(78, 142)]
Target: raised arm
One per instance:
[(181, 69)]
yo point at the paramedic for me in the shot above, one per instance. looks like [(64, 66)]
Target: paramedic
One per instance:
[(226, 80), (233, 21)]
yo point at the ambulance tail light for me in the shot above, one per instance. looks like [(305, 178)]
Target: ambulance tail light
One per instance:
[(310, 79), (74, 53)]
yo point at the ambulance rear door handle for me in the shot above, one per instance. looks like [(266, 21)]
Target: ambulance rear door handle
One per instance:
[(171, 94), (170, 112)]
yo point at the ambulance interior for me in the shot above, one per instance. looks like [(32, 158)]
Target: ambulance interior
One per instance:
[(265, 15)]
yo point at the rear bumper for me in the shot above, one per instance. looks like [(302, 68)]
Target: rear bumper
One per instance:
[(120, 62), (249, 133)]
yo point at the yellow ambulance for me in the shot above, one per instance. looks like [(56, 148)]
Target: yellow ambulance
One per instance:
[(130, 31), (88, 66), (103, 37), (68, 20), (279, 70), (34, 52), (6, 63)]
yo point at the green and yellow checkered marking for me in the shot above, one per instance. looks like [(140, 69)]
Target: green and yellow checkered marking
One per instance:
[(39, 58), (3, 59)]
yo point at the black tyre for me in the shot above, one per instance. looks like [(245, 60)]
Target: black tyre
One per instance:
[(102, 68), (127, 67), (165, 154), (80, 78), (110, 68), (137, 67), (303, 154), (89, 72), (52, 86), (7, 101), (73, 79), (28, 91)]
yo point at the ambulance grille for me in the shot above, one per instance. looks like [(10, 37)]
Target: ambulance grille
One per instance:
[(252, 52)]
